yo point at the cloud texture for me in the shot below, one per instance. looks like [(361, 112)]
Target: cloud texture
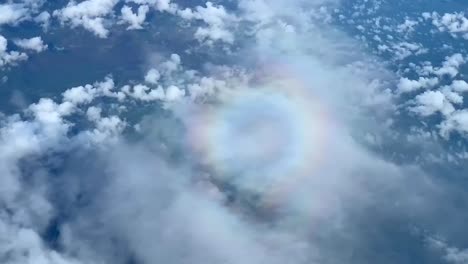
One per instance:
[(260, 160)]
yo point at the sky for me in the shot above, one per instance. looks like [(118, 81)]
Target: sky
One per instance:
[(235, 131)]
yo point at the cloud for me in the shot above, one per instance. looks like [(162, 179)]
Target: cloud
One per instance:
[(459, 86), (160, 5), (89, 14), (450, 254), (120, 188), (431, 102), (152, 76), (447, 99), (134, 19), (217, 19), (36, 44), (451, 65), (11, 13), (406, 85), (43, 19), (10, 58), (454, 23), (458, 121)]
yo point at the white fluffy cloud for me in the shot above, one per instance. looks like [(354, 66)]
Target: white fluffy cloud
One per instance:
[(11, 13), (135, 20), (406, 85), (36, 44), (152, 76), (153, 197), (43, 19), (454, 23), (217, 19), (431, 102), (457, 122), (9, 58), (160, 5), (451, 65), (446, 100), (90, 14), (459, 86)]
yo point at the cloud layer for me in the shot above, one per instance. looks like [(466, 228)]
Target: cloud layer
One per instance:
[(166, 170)]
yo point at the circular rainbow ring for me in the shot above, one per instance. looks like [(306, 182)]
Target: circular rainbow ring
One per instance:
[(263, 139)]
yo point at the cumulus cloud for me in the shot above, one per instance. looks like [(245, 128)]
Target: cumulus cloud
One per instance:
[(89, 14), (431, 102), (135, 20), (406, 85), (459, 86), (36, 44), (152, 76), (160, 5), (43, 19), (11, 13), (217, 19), (9, 58), (454, 23), (458, 121), (451, 65)]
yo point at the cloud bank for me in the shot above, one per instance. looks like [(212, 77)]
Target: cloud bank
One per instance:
[(254, 161)]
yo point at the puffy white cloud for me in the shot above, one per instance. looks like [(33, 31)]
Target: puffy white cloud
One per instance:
[(93, 113), (12, 58), (160, 5), (459, 86), (89, 14), (452, 96), (50, 116), (12, 13), (456, 122), (9, 58), (403, 50), (88, 8), (406, 85), (431, 102), (87, 93), (152, 76), (217, 19), (135, 20), (451, 65), (80, 94), (35, 44), (171, 65), (44, 19), (3, 45), (451, 254), (447, 100), (207, 86), (454, 23), (107, 129), (407, 26), (174, 93), (144, 93)]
